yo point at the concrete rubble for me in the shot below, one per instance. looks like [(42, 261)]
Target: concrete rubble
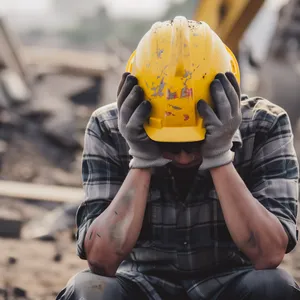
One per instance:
[(46, 99)]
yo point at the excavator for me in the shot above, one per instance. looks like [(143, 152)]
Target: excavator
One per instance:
[(228, 18), (278, 75)]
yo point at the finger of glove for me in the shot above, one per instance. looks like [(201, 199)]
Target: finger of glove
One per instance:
[(130, 104), (121, 83), (130, 82), (138, 118), (230, 92), (220, 100), (209, 116), (234, 83), (236, 86)]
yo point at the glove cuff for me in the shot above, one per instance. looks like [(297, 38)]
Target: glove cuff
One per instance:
[(217, 161), (137, 163)]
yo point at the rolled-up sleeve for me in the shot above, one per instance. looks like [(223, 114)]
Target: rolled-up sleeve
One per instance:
[(102, 177), (275, 174)]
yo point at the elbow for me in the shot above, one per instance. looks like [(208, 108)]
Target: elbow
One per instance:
[(269, 261), (101, 262), (103, 268), (271, 257)]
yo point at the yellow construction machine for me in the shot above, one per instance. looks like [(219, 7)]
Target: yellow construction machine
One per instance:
[(229, 18), (277, 76)]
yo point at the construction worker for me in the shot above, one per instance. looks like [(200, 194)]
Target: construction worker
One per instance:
[(191, 190)]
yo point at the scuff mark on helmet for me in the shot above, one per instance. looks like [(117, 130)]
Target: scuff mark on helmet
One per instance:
[(159, 52), (158, 90), (187, 73), (186, 117), (169, 113), (175, 107)]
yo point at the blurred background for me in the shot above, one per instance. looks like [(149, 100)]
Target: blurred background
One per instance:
[(59, 61)]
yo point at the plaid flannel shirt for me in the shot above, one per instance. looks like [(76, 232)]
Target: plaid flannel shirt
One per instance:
[(184, 244)]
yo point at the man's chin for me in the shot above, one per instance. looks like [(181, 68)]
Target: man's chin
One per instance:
[(186, 166)]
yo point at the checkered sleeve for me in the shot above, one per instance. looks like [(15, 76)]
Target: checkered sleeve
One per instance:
[(275, 171), (101, 175)]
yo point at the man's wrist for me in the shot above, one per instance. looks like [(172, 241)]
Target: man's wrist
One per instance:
[(138, 163), (143, 170), (223, 159)]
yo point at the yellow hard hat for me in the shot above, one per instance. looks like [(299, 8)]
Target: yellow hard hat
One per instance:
[(175, 63)]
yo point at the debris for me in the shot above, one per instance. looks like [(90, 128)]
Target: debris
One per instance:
[(67, 85), (87, 63), (19, 293), (3, 147), (46, 99), (12, 260), (14, 88), (41, 192), (10, 228), (61, 240), (10, 270), (11, 52), (8, 121), (10, 223), (88, 96), (25, 171), (61, 177), (57, 257), (51, 224), (62, 130), (14, 293), (4, 103)]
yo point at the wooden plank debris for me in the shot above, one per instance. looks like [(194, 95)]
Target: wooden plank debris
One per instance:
[(11, 55), (41, 192), (85, 63)]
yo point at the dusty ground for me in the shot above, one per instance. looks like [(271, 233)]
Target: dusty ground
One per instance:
[(35, 270)]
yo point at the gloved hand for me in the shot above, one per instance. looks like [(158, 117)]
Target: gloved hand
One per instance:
[(221, 124), (133, 111)]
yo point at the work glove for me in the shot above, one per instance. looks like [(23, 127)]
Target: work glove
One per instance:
[(221, 124), (133, 111)]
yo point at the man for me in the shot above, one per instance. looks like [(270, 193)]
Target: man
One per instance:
[(186, 199)]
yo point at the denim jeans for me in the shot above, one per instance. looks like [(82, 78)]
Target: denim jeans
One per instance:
[(274, 284)]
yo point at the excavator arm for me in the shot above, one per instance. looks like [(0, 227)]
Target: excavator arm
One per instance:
[(228, 18)]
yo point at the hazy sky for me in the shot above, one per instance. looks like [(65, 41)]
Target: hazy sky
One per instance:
[(28, 13), (121, 7), (25, 6), (116, 7)]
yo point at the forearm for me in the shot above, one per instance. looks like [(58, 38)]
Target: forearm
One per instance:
[(113, 234), (256, 231)]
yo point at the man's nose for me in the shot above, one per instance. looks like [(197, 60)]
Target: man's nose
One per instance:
[(184, 158)]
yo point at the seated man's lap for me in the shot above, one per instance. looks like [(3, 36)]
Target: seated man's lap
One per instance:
[(262, 285), (89, 286), (251, 285)]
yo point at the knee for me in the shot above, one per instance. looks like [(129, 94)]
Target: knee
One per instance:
[(270, 284), (85, 285)]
